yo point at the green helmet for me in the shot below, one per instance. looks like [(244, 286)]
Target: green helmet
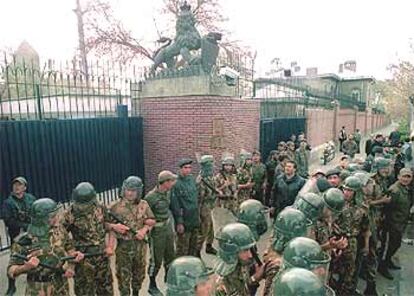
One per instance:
[(245, 156), (334, 200), (306, 253), (353, 183), (184, 274), (84, 193), (40, 213), (353, 167), (253, 214), (290, 223), (207, 165), (381, 163), (232, 239), (363, 177), (206, 159), (132, 183), (310, 204), (344, 174), (298, 281), (228, 160)]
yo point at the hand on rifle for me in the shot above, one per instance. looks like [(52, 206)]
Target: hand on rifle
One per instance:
[(141, 233), (180, 228), (78, 256), (120, 228), (69, 273), (32, 263), (259, 272)]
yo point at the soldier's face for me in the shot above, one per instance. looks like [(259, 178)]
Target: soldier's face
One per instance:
[(19, 189), (348, 194), (245, 255), (405, 180), (53, 219), (205, 288), (228, 168), (384, 172), (186, 169), (169, 184), (130, 195), (249, 161), (256, 158), (334, 180)]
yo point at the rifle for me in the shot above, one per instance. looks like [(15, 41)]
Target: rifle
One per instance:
[(86, 255), (44, 265), (256, 257), (122, 221), (210, 187)]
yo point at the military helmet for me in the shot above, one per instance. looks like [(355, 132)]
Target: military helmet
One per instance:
[(132, 183), (353, 167), (42, 207), (298, 281), (184, 274), (334, 200), (206, 159), (310, 204), (364, 177), (232, 239), (306, 253), (289, 223), (228, 160), (84, 193), (381, 163), (253, 214), (353, 183), (344, 174)]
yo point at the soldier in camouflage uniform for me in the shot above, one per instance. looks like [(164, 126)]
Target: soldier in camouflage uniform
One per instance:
[(131, 251), (226, 183), (206, 186), (290, 223), (302, 160), (86, 220), (349, 147), (244, 178), (235, 243), (162, 235), (258, 177), (185, 209), (351, 222), (43, 245)]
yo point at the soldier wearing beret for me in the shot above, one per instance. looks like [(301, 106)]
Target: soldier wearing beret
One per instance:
[(184, 206), (162, 236)]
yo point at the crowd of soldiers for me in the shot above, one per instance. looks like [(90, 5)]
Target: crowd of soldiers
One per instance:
[(330, 228)]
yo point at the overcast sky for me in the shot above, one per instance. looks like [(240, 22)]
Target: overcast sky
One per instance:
[(316, 33)]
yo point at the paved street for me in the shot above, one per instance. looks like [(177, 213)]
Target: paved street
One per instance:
[(400, 286)]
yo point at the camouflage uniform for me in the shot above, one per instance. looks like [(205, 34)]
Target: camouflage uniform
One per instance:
[(259, 178), (41, 280), (236, 283), (87, 226), (273, 263), (244, 176), (229, 198), (352, 221), (162, 235), (349, 147), (131, 253), (302, 162), (206, 202)]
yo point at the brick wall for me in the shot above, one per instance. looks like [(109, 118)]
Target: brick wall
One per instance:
[(319, 124), (180, 127)]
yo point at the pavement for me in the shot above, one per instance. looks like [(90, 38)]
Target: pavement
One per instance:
[(400, 286)]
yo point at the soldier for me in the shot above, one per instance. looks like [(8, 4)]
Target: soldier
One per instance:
[(351, 222), (349, 147), (86, 220), (290, 223), (271, 164), (299, 281), (37, 252), (188, 276), (302, 160), (131, 251), (333, 177), (258, 177), (333, 200), (357, 138), (16, 215), (290, 151), (306, 253), (311, 205), (235, 243), (227, 185), (253, 214), (185, 209), (162, 235), (396, 218), (244, 178), (207, 192)]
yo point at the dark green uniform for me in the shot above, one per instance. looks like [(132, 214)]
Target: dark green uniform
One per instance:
[(162, 235), (184, 206), (258, 178), (16, 213), (302, 162)]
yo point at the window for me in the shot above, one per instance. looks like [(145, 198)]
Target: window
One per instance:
[(356, 94)]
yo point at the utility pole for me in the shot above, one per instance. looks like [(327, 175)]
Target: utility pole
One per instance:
[(81, 36)]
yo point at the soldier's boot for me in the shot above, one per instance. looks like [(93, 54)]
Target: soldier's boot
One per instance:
[(371, 289), (383, 270), (391, 265), (210, 250), (12, 287), (153, 289)]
